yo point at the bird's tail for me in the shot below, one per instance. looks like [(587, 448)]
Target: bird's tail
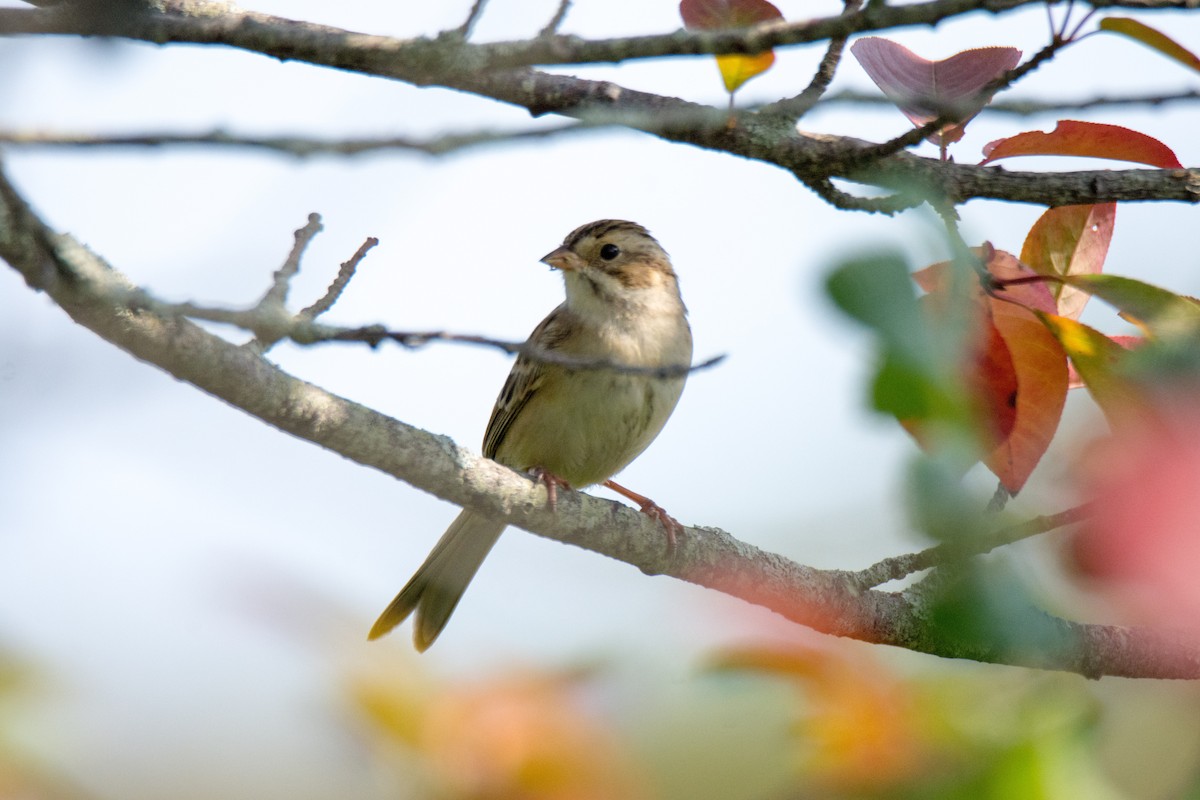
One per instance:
[(434, 591)]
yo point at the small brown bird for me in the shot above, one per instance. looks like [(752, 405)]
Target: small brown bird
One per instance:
[(571, 427)]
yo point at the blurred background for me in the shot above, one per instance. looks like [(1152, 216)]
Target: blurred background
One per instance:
[(185, 592)]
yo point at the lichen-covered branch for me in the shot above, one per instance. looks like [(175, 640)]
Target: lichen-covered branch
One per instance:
[(83, 285)]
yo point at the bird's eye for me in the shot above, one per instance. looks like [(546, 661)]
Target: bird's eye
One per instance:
[(609, 252)]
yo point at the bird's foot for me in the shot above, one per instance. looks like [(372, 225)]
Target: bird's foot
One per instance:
[(552, 483), (671, 526)]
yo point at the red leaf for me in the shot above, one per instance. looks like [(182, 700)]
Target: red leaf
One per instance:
[(993, 383), (1091, 139), (708, 15), (721, 14), (1070, 240), (925, 89)]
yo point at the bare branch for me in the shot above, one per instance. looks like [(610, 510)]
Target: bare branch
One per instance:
[(334, 292), (290, 39), (1030, 107), (375, 334), (891, 569), (796, 107), (829, 601), (298, 146), (276, 297), (552, 26), (765, 138), (473, 16)]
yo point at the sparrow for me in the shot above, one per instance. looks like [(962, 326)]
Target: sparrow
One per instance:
[(571, 427)]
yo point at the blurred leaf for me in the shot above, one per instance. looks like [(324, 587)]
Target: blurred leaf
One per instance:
[(877, 291), (722, 14), (1070, 240), (1074, 381), (915, 380), (987, 608), (1096, 358), (1142, 542), (1161, 312), (1150, 37), (924, 90), (1090, 139), (862, 729), (938, 503), (518, 735)]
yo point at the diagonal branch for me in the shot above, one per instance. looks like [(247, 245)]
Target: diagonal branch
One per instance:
[(897, 567), (80, 283), (796, 107), (813, 159)]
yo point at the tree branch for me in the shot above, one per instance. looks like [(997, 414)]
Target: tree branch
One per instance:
[(452, 52), (298, 146), (770, 138), (830, 601), (1029, 107), (897, 567)]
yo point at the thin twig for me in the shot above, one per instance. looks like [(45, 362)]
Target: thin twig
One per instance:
[(345, 273), (374, 335), (298, 146), (552, 26), (276, 296), (796, 107), (1023, 108), (892, 204), (468, 25), (896, 567)]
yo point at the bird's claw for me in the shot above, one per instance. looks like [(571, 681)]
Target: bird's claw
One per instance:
[(552, 483), (671, 526)]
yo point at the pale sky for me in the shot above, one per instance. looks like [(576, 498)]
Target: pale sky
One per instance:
[(148, 533)]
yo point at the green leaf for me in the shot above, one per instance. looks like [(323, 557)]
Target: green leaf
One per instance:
[(1163, 313), (917, 380)]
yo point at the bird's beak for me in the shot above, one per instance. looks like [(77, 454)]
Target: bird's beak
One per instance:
[(563, 259)]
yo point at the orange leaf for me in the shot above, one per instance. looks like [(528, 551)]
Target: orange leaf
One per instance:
[(923, 89), (721, 14), (1041, 377), (1151, 38), (1070, 240), (1018, 375), (1091, 139)]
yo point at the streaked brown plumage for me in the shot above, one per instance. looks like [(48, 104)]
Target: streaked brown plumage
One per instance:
[(577, 427)]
